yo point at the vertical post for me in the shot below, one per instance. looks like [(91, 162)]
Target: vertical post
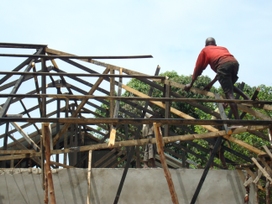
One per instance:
[(167, 106), (58, 124), (167, 173), (267, 192), (138, 159), (12, 162), (43, 88), (269, 130), (45, 189), (89, 176), (66, 133), (267, 168), (44, 179), (112, 128), (43, 114), (5, 143), (112, 81), (114, 106), (47, 136)]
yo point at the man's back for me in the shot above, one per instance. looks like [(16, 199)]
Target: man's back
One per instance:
[(215, 55)]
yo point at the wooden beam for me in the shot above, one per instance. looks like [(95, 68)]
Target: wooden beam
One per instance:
[(166, 93), (26, 136), (47, 137), (207, 124), (167, 173), (114, 108), (141, 142), (89, 176)]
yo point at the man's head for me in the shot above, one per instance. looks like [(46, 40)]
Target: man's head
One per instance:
[(210, 41)]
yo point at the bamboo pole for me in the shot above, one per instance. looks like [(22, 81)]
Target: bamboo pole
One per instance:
[(89, 176), (167, 173), (45, 190), (44, 178), (139, 142), (47, 136)]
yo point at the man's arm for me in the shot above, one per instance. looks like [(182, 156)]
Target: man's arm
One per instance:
[(201, 64)]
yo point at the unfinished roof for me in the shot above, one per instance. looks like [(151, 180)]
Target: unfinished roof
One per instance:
[(80, 98)]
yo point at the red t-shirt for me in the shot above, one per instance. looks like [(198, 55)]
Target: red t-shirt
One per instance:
[(212, 55)]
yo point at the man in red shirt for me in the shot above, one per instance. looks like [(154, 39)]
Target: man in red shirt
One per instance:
[(224, 64)]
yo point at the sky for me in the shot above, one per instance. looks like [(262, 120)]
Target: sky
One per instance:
[(172, 31)]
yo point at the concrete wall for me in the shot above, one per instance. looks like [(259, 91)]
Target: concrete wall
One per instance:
[(18, 186)]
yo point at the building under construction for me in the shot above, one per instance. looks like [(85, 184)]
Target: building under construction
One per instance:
[(69, 134)]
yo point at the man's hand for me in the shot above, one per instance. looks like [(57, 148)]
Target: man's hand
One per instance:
[(187, 87)]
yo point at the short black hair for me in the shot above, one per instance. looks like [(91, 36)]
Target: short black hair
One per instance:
[(210, 41)]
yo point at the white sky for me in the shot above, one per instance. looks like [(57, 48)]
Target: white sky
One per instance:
[(172, 31)]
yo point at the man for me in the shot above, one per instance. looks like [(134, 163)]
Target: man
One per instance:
[(224, 64)]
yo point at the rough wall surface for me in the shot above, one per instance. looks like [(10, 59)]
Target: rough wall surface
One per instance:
[(18, 186)]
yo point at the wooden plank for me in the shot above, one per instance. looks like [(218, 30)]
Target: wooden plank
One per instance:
[(26, 136), (89, 176), (47, 135), (167, 90), (167, 173), (115, 110), (42, 161)]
